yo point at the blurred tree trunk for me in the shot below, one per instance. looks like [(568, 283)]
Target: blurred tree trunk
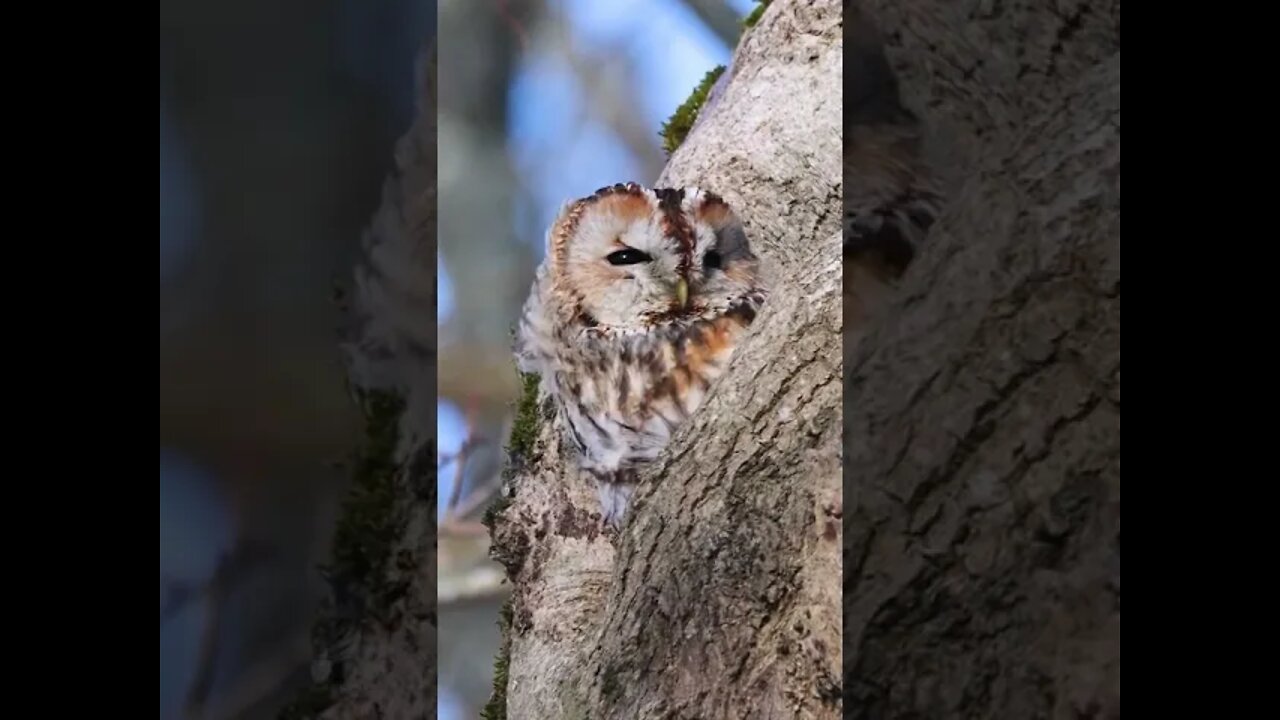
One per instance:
[(252, 101), (375, 643), (480, 248), (982, 408), (720, 598)]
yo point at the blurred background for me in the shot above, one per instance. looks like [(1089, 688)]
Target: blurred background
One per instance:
[(541, 101), (277, 125)]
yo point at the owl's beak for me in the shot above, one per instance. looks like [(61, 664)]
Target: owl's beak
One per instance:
[(682, 292)]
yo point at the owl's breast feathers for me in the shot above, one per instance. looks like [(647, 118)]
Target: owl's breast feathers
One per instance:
[(623, 396), (694, 357)]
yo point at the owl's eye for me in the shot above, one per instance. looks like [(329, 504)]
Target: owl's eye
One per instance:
[(630, 256), (711, 260)]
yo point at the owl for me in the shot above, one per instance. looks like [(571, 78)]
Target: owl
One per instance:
[(634, 313), (891, 198), (890, 204)]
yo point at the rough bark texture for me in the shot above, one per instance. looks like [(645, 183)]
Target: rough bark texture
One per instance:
[(982, 407), (720, 598)]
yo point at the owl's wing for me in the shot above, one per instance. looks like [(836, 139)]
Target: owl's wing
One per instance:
[(534, 331)]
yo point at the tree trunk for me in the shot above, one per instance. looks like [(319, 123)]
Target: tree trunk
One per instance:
[(375, 642), (720, 598), (982, 406)]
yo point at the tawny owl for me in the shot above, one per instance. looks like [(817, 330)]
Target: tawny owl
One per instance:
[(890, 195), (634, 313)]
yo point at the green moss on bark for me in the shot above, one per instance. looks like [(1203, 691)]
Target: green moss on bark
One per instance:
[(367, 527), (524, 429), (496, 708), (367, 530), (675, 129), (491, 513), (754, 17), (521, 443)]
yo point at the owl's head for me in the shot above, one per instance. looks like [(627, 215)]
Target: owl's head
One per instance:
[(630, 258)]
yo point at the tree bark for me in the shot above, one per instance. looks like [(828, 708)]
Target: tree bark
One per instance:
[(720, 596), (982, 406), (375, 643)]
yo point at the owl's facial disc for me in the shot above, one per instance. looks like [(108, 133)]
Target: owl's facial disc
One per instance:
[(644, 282), (640, 259), (631, 256), (722, 269), (619, 263)]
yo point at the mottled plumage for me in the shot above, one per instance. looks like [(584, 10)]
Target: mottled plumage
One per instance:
[(889, 203), (634, 313)]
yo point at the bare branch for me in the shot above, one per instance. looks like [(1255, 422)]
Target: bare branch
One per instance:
[(478, 498), (178, 595), (198, 694), (262, 680), (459, 507), (461, 460), (233, 568)]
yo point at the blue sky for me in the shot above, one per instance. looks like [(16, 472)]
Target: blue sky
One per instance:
[(672, 51)]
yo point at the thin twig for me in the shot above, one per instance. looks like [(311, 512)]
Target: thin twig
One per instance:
[(178, 594), (477, 498), (447, 459), (232, 569), (202, 681), (457, 484), (470, 443), (263, 680), (516, 28)]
